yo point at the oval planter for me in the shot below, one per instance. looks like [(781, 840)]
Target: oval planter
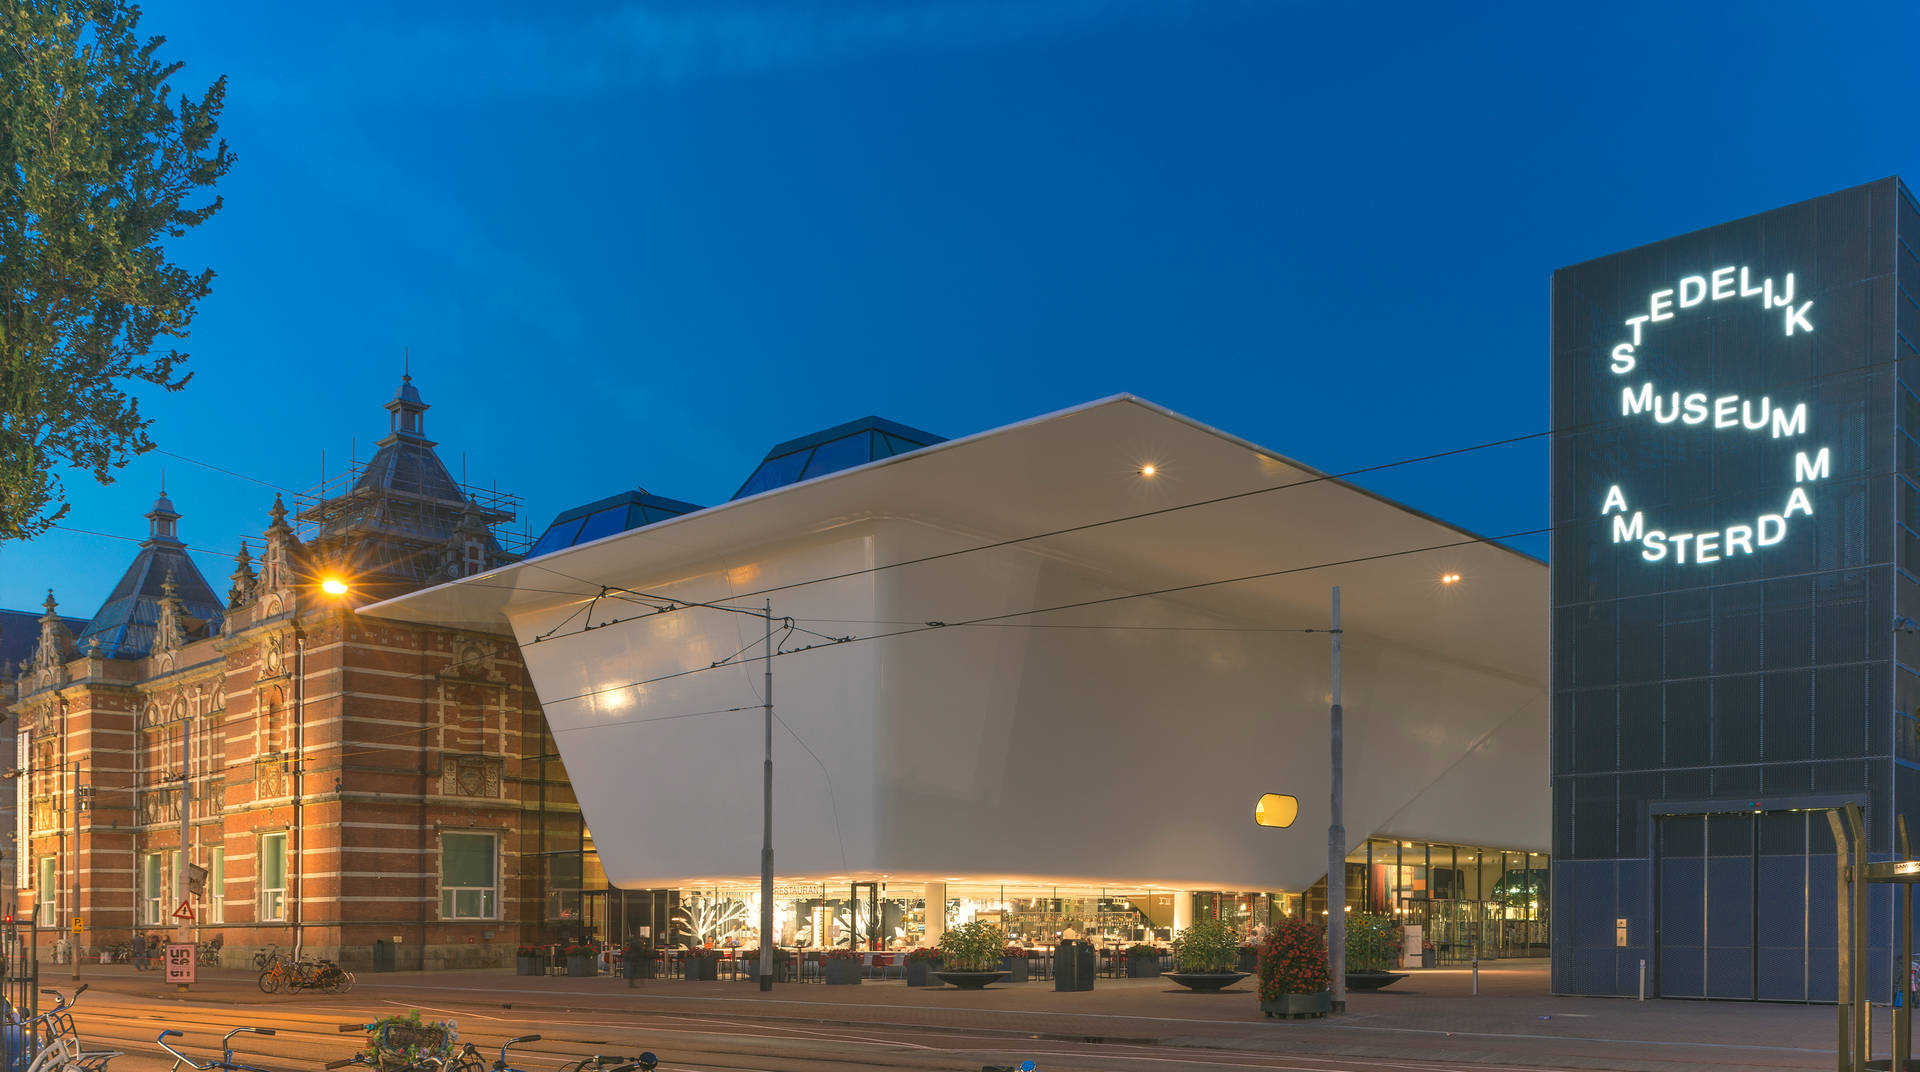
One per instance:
[(1143, 967), (1207, 981), (843, 972), (1016, 969), (702, 969), (970, 980), (1372, 980), (1298, 1006), (918, 970)]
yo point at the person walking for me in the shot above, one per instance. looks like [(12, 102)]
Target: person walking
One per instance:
[(139, 951), (632, 959)]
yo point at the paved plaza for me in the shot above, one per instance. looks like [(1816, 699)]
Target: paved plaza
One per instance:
[(1431, 1019)]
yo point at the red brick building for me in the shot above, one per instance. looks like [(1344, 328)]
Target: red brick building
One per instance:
[(357, 789)]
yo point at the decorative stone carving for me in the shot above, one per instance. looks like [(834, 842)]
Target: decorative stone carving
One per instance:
[(240, 593), (470, 776), (54, 649)]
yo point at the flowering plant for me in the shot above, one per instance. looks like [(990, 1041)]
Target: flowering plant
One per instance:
[(1017, 952), (405, 1041), (924, 953), (527, 951), (841, 954), (754, 954), (1139, 950), (1373, 941), (1205, 946), (1294, 960), (701, 951), (578, 950), (974, 946)]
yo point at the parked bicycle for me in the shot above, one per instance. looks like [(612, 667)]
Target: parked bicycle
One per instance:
[(226, 1061), (264, 958), (57, 1040), (207, 954), (307, 973), (646, 1062), (406, 1044)]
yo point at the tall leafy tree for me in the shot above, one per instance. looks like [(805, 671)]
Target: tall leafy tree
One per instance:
[(101, 161)]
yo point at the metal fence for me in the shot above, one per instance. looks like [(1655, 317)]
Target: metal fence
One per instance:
[(20, 990)]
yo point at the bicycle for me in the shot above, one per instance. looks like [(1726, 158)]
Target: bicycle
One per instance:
[(390, 1044), (304, 974), (56, 1038), (646, 1062), (207, 954), (226, 1061)]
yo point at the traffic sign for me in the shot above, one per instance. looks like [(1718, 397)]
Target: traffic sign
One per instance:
[(179, 963), (79, 924), (185, 911)]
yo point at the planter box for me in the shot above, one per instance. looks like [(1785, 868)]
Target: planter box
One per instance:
[(842, 972), (702, 969), (644, 968), (1016, 969), (582, 966), (1143, 967), (919, 970), (527, 965), (1298, 1006), (1249, 961)]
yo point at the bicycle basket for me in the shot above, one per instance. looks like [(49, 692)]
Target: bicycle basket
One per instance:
[(400, 1039)]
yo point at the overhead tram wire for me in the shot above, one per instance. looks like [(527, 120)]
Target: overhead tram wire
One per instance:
[(933, 625)]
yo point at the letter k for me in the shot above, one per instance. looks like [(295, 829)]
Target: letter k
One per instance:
[(1798, 316)]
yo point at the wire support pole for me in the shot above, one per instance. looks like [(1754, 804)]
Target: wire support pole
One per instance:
[(1337, 835), (766, 819)]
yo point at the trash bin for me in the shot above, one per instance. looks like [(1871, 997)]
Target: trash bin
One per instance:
[(382, 955), (1073, 965)]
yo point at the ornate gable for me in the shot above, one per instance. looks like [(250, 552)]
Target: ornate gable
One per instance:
[(50, 656)]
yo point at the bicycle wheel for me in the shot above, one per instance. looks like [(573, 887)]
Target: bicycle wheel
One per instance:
[(270, 982), (346, 982)]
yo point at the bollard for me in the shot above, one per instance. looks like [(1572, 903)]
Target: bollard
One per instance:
[(1476, 976), (1643, 979)]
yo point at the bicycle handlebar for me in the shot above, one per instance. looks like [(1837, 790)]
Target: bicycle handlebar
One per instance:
[(188, 1061), (502, 1063)]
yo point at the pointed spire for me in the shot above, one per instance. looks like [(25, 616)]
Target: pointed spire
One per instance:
[(278, 512), (240, 592), (52, 605), (406, 408), (162, 517)]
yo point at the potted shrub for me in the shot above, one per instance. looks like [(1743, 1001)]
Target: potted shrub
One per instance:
[(1373, 945), (842, 966), (921, 962), (1143, 962), (1205, 956), (702, 964), (582, 960), (1294, 981), (970, 955), (1013, 961), (527, 960)]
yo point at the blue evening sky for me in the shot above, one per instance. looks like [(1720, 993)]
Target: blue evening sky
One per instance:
[(636, 245)]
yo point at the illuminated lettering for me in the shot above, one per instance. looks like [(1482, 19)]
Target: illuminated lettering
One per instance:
[(1797, 501), (1678, 541), (1723, 407), (1656, 547), (1634, 322), (1628, 531), (1785, 425), (1696, 408), (1745, 290), (1698, 286), (1804, 470), (1773, 529), (1706, 548), (1747, 418), (1632, 402), (1723, 283), (1784, 299), (1660, 301), (1663, 416), (1798, 317), (1623, 359), (1614, 501), (1740, 539)]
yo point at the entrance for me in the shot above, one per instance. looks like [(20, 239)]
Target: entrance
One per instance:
[(1743, 904)]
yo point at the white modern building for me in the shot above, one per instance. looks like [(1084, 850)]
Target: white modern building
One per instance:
[(1077, 650)]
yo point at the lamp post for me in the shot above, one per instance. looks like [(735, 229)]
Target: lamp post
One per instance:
[(1337, 835)]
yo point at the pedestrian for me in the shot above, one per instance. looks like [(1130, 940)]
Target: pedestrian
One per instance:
[(139, 951), (632, 957)]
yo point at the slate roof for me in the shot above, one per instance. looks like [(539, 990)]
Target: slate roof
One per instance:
[(20, 633), (125, 622)]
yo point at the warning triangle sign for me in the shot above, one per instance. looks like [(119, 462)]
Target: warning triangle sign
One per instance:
[(185, 911)]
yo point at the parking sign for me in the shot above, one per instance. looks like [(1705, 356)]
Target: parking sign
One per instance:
[(179, 963)]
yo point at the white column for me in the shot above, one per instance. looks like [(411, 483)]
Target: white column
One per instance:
[(1182, 910), (936, 912)]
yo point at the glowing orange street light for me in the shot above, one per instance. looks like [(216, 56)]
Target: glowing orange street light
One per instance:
[(334, 586)]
